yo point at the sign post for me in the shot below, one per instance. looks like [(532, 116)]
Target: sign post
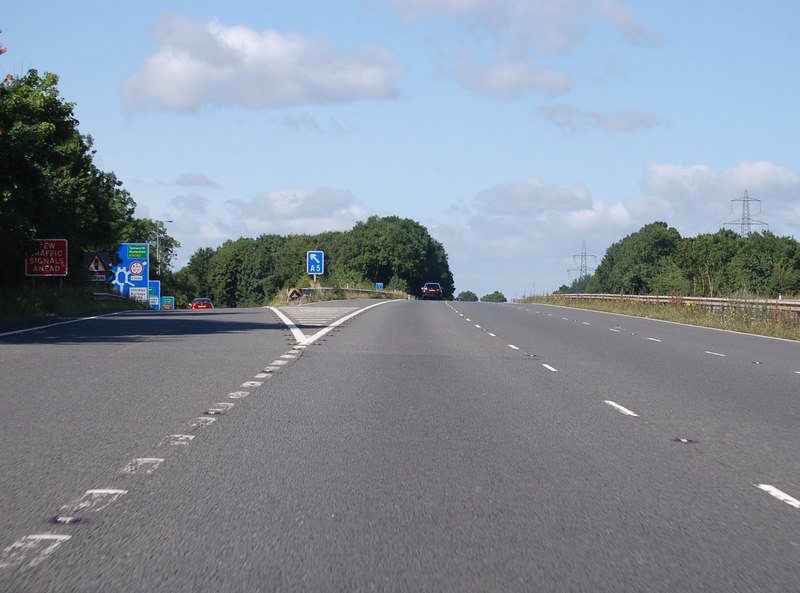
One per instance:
[(315, 263)]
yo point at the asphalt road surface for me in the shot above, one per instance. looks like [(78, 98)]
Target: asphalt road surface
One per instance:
[(397, 446)]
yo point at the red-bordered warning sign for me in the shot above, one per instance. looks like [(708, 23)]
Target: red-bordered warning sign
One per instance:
[(50, 260), (97, 265)]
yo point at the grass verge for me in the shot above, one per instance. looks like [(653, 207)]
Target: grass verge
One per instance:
[(761, 320)]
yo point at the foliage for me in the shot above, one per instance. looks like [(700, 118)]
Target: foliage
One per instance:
[(656, 260), (468, 295), (154, 233), (495, 297), (765, 320), (399, 253), (49, 185)]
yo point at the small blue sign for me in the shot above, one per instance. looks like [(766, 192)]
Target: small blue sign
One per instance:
[(154, 294), (315, 262), (379, 286)]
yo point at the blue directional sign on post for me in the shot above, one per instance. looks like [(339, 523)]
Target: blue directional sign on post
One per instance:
[(315, 262)]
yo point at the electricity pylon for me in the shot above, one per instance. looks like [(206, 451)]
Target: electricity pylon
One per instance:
[(745, 222), (583, 267)]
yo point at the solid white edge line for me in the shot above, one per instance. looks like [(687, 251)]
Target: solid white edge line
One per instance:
[(782, 496), (619, 408), (298, 335), (305, 341), (31, 329)]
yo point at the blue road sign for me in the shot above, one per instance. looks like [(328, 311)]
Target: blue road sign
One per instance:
[(315, 262), (131, 275)]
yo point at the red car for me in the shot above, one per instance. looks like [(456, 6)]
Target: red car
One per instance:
[(202, 304)]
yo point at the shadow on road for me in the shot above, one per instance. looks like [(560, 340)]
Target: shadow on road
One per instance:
[(138, 326)]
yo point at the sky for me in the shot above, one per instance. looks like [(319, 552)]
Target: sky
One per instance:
[(527, 136)]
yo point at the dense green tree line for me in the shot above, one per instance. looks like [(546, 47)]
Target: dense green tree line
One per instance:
[(657, 260), (397, 252), (49, 185), (51, 188)]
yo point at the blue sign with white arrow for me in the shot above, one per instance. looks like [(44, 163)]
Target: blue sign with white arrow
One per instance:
[(315, 262)]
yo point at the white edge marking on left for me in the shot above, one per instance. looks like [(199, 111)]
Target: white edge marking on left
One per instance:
[(619, 408), (782, 496)]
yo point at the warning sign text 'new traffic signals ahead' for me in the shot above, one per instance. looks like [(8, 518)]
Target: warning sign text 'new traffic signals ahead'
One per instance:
[(50, 260)]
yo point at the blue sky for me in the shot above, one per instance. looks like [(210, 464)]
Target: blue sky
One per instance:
[(514, 130)]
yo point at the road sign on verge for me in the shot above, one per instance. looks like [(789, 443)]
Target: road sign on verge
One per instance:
[(50, 260), (315, 262)]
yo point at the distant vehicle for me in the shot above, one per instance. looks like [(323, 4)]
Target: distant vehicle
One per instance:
[(202, 304), (432, 290)]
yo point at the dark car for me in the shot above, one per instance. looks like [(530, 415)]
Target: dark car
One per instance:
[(432, 290), (202, 304)]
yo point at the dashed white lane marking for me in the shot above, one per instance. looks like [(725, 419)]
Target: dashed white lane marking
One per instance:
[(714, 353), (654, 339), (142, 465), (478, 326), (495, 335), (782, 496), (549, 368), (278, 363), (252, 384), (202, 422), (614, 330), (264, 375), (585, 323), (619, 408), (238, 394), (178, 440), (513, 347), (94, 500), (31, 550)]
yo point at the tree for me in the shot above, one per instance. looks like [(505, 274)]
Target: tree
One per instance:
[(630, 264), (468, 295), (49, 185), (495, 297), (154, 233)]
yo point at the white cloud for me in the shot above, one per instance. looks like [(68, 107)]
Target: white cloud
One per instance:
[(699, 199), (196, 179), (577, 120), (510, 78), (193, 203), (530, 198), (520, 236), (546, 26), (208, 63), (299, 211), (517, 33)]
